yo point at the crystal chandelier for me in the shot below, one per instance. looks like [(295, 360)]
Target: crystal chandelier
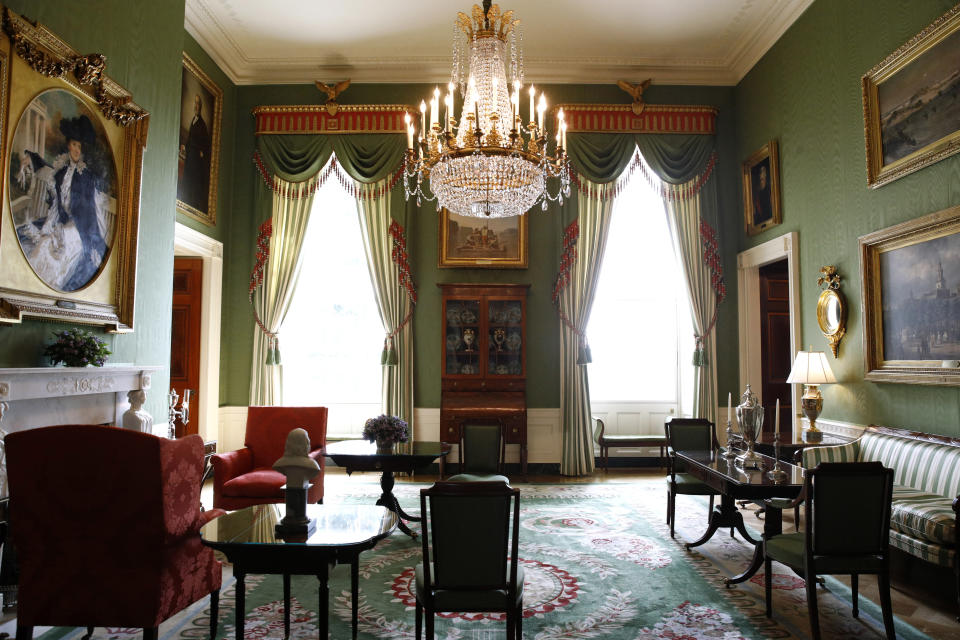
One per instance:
[(487, 163)]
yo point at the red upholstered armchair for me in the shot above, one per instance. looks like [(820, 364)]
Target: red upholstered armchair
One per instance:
[(106, 525), (246, 477)]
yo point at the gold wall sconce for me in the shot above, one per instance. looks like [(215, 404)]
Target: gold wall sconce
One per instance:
[(831, 308)]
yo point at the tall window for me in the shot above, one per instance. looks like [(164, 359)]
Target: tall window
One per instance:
[(332, 336), (640, 331)]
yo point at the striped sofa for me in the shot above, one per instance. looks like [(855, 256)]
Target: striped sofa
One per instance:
[(925, 515)]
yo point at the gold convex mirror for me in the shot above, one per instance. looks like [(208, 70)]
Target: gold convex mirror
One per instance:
[(831, 309)]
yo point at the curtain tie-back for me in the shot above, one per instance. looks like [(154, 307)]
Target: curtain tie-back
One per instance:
[(567, 259)]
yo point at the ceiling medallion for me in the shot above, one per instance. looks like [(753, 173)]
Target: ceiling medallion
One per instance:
[(487, 163)]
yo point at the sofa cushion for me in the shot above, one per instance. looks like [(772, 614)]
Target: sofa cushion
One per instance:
[(923, 515), (259, 483), (925, 466)]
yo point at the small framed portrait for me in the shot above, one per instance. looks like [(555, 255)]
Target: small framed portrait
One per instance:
[(74, 152), (911, 103), (198, 159), (911, 301), (761, 189), (484, 243)]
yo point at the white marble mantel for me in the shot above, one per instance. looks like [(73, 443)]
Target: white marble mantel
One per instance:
[(46, 396)]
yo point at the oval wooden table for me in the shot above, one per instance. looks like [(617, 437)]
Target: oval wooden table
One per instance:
[(249, 540), (360, 455)]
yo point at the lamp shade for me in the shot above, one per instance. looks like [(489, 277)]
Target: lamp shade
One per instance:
[(811, 367)]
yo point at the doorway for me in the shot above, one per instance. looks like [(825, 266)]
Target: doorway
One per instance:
[(205, 409), (749, 264), (185, 339), (775, 354)]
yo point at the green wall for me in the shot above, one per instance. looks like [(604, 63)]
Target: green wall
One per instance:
[(143, 45), (543, 382), (805, 92)]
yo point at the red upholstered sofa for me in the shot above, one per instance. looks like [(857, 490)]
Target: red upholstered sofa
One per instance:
[(246, 477), (105, 522)]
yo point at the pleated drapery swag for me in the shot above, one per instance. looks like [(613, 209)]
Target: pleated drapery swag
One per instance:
[(682, 168), (369, 167)]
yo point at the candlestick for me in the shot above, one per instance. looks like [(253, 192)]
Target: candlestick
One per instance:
[(406, 119), (777, 474), (532, 93), (541, 108), (563, 130), (423, 117), (449, 110), (435, 107), (729, 402), (777, 419)]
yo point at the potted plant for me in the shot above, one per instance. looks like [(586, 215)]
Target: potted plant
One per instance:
[(77, 348), (386, 431)]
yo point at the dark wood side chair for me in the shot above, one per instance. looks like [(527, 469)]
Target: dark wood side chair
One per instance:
[(471, 533), (847, 509), (481, 451), (686, 434)]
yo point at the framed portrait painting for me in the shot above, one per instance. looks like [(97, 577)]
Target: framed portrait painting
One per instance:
[(485, 243), (761, 189), (198, 160), (911, 103), (74, 151), (911, 301)]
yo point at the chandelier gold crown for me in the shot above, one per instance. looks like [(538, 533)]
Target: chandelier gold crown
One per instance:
[(487, 162), (487, 23)]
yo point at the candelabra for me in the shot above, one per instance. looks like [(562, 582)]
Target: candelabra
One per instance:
[(729, 453), (183, 413)]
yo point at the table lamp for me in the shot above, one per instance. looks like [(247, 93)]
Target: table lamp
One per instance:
[(811, 369)]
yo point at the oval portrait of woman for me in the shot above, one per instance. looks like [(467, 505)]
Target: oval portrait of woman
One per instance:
[(63, 190)]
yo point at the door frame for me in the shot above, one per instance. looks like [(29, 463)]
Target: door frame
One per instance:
[(190, 243), (748, 308)]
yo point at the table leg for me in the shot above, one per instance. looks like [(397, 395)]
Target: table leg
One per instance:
[(240, 605), (772, 526), (388, 500), (355, 591), (286, 605), (323, 613), (723, 516)]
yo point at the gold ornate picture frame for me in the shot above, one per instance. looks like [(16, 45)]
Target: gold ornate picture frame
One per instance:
[(483, 243), (910, 296), (761, 189), (73, 143), (911, 103), (198, 159)]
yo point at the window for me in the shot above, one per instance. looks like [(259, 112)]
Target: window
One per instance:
[(332, 336), (640, 331)]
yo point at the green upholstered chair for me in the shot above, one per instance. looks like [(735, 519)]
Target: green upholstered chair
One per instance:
[(847, 507), (481, 452), (471, 531), (689, 434)]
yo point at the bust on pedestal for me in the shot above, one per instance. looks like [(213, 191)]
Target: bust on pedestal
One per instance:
[(135, 417), (299, 468)]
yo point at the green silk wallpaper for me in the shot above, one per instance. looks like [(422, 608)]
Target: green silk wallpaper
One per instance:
[(143, 43), (543, 382), (805, 92)]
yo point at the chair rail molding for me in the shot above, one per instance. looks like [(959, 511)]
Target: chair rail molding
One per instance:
[(748, 308), (188, 242)]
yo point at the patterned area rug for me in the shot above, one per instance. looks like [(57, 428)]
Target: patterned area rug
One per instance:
[(599, 563)]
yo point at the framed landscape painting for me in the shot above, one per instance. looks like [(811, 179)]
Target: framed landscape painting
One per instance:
[(911, 103), (761, 189), (483, 242), (911, 301), (198, 160), (71, 206)]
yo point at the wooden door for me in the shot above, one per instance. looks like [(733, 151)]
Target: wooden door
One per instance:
[(775, 356), (185, 336)]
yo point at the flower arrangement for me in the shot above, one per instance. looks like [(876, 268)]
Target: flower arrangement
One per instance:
[(77, 348), (385, 429)]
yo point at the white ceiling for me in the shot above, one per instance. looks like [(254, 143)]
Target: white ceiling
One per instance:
[(698, 42)]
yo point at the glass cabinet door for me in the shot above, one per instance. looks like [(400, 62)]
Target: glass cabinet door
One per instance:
[(462, 335), (505, 337)]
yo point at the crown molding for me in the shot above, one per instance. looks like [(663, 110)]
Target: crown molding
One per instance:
[(724, 70)]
